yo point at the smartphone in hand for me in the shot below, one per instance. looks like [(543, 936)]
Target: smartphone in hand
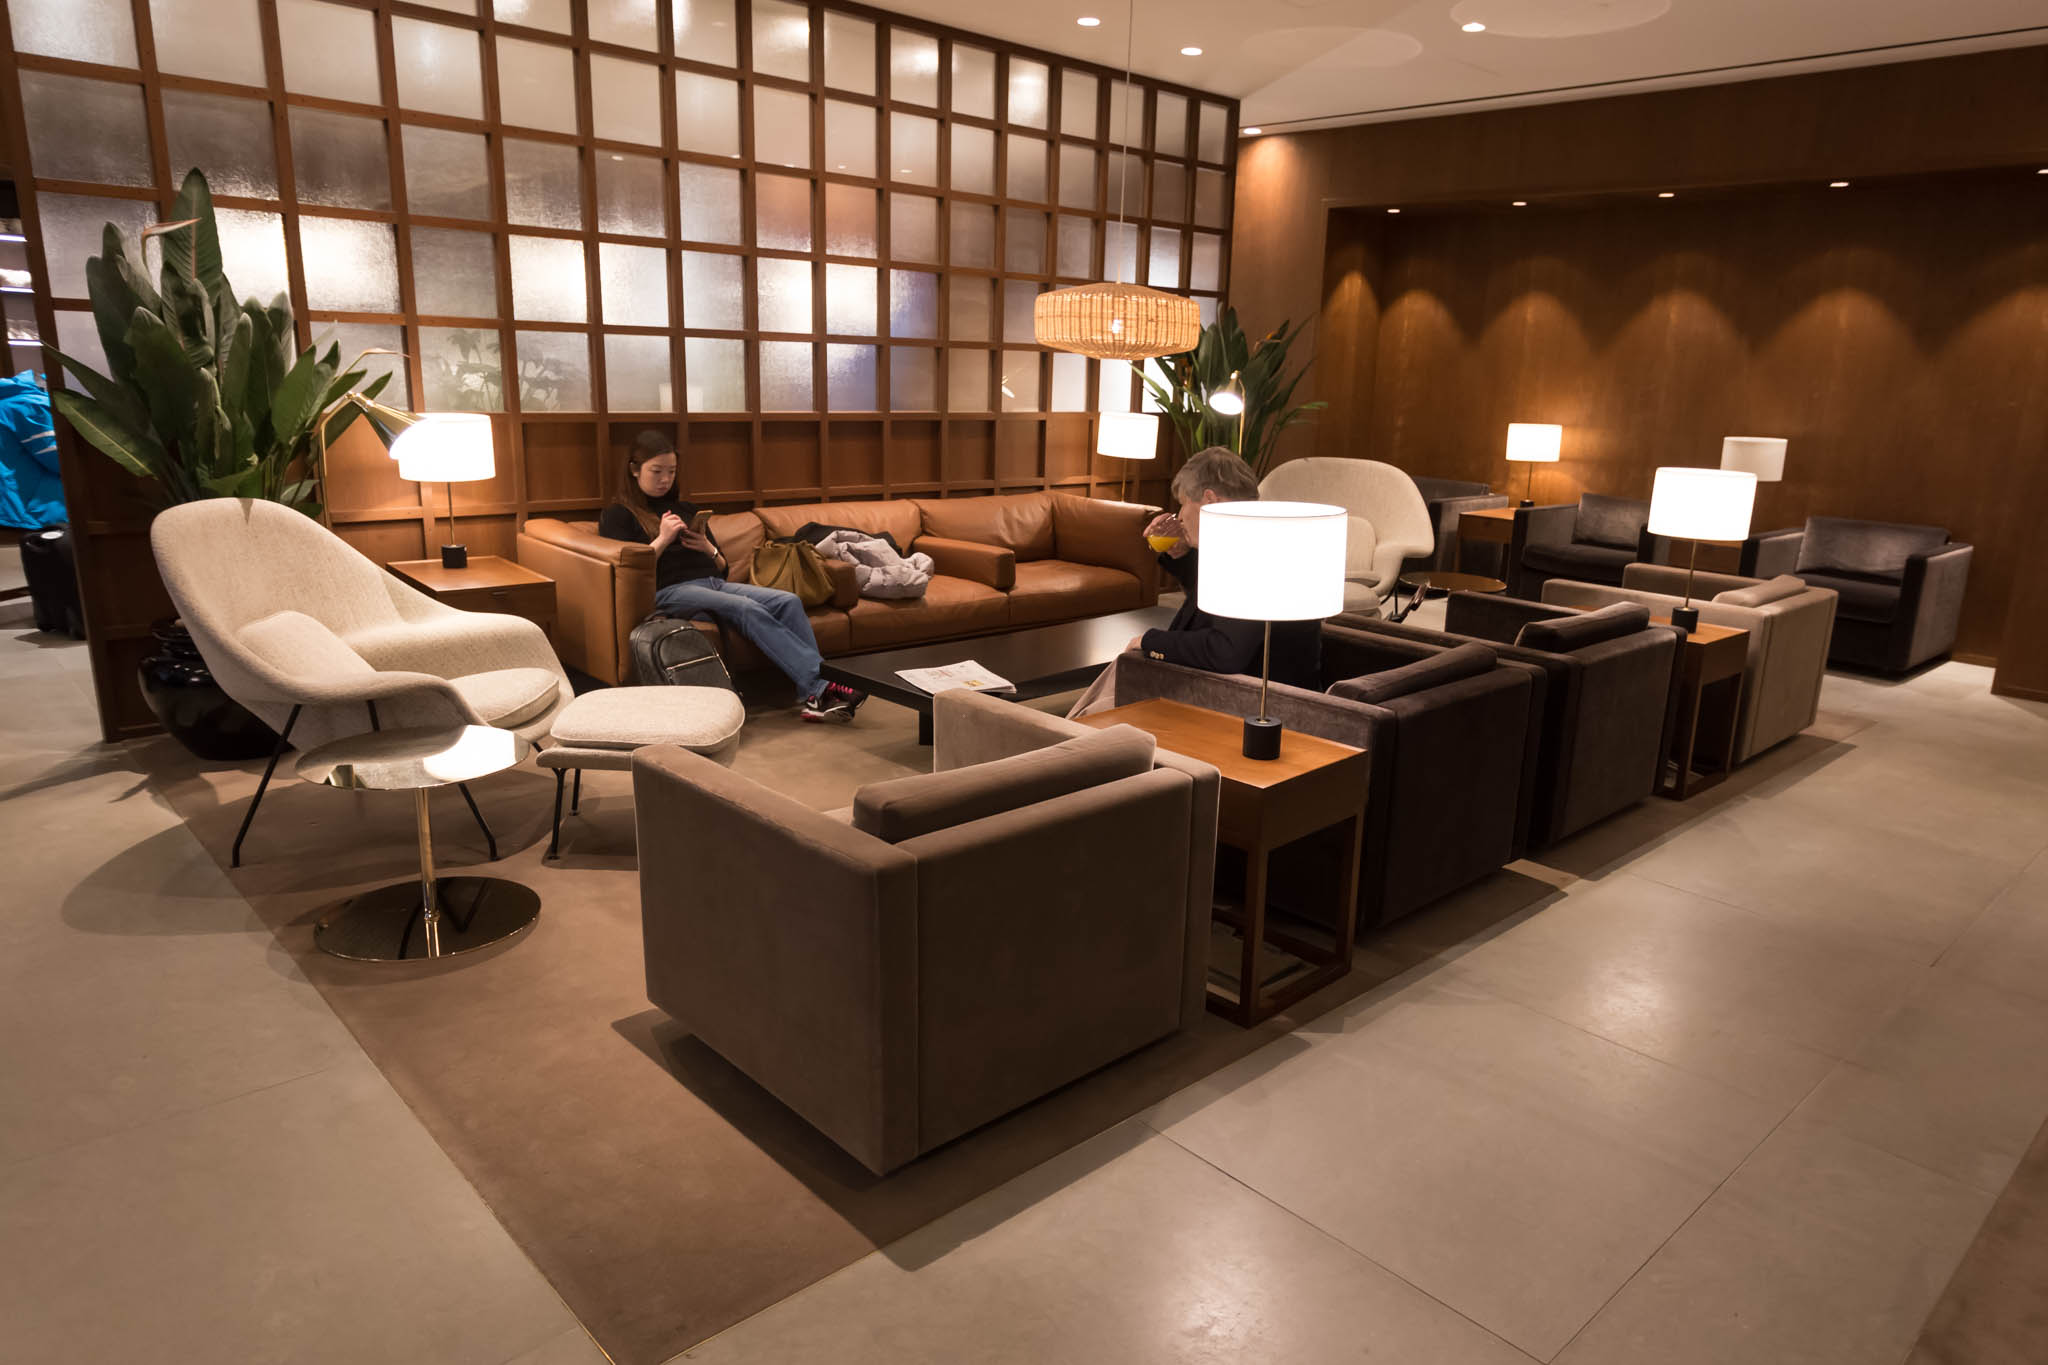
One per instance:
[(700, 521)]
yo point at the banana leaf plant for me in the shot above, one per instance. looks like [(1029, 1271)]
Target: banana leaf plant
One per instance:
[(1183, 383), (207, 397)]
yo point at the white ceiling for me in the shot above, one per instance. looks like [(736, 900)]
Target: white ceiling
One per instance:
[(1319, 63)]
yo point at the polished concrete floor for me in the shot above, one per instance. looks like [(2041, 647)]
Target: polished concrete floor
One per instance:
[(1731, 1084)]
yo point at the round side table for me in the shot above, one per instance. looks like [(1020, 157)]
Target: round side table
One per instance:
[(434, 917), (1441, 584)]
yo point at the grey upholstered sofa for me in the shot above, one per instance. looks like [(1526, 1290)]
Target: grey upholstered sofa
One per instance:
[(1590, 541), (964, 942), (1445, 499), (1900, 585)]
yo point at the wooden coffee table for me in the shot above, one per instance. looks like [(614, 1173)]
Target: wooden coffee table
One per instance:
[(1699, 730), (1040, 660)]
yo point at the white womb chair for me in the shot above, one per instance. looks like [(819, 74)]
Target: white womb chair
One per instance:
[(302, 629), (1379, 494)]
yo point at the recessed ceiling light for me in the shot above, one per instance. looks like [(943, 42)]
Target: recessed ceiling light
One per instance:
[(1254, 132), (1838, 184), (1474, 27), (1089, 21), (1191, 52), (1521, 203), (1393, 210), (1666, 194)]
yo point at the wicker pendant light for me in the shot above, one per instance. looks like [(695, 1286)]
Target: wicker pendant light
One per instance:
[(1114, 320)]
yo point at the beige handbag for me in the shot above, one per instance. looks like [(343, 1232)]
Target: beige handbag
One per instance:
[(794, 566)]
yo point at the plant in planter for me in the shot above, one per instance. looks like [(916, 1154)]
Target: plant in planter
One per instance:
[(1187, 382)]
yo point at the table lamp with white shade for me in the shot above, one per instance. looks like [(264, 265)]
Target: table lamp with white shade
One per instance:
[(1763, 456), (1127, 436), (1534, 443), (1271, 561), (450, 448), (1696, 505)]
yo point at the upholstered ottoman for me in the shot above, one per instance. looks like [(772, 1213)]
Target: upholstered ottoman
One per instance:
[(602, 729)]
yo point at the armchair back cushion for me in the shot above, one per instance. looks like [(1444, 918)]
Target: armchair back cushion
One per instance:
[(1110, 534), (1434, 670), (1564, 634), (1614, 522), (898, 517), (908, 807), (1877, 549)]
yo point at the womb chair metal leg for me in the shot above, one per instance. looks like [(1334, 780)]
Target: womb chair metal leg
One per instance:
[(576, 794), (283, 743), (490, 839), (555, 836)]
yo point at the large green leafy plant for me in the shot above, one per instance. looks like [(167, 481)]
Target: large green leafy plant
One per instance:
[(1192, 377), (207, 397)]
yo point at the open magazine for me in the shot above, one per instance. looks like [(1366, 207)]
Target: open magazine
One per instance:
[(969, 674)]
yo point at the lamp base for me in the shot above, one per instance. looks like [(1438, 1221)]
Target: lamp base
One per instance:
[(1686, 619), (454, 556), (1526, 502), (1261, 738)]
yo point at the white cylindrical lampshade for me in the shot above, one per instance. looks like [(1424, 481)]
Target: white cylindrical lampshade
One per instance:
[(1534, 442), (1127, 435), (1272, 561), (1701, 504), (446, 447), (1763, 456)]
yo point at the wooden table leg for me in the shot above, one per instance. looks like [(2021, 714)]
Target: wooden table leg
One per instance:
[(1249, 978)]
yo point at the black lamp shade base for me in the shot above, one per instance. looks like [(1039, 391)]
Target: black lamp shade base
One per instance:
[(454, 556), (1686, 619), (1526, 502), (1261, 738)]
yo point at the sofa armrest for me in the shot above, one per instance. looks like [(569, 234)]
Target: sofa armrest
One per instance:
[(1770, 553), (1491, 616), (1931, 599), (589, 544), (845, 583), (990, 565), (1108, 534)]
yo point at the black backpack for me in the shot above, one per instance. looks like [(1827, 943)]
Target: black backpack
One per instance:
[(672, 653)]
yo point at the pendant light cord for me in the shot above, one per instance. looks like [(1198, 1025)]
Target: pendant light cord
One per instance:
[(1123, 146)]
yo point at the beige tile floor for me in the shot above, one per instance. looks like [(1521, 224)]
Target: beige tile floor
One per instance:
[(1733, 1083)]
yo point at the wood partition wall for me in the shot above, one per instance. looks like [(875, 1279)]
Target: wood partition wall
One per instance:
[(801, 239)]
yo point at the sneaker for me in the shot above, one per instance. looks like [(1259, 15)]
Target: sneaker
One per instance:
[(835, 704)]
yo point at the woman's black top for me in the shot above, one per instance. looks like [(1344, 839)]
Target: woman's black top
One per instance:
[(678, 563)]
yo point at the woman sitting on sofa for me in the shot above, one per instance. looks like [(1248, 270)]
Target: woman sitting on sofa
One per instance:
[(689, 579)]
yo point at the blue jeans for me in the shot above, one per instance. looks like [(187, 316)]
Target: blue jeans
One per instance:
[(773, 621)]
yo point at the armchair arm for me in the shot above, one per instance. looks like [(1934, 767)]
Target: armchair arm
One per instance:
[(1551, 525), (1490, 616), (1771, 553), (1931, 602), (1652, 548), (589, 544), (845, 583), (449, 642), (990, 565)]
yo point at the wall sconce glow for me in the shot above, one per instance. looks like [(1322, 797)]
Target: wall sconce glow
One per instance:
[(1666, 194), (1521, 203), (1254, 132), (1474, 27), (1191, 52), (1838, 184), (1393, 210), (1089, 21)]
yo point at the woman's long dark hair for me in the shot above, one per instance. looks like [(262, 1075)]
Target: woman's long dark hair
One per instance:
[(646, 446)]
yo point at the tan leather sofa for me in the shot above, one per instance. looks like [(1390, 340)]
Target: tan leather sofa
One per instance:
[(1001, 563)]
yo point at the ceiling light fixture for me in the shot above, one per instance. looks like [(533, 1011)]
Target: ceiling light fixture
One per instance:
[(1838, 184), (1089, 21), (1393, 210), (1474, 27), (1521, 203), (1666, 194), (1191, 52), (1254, 132)]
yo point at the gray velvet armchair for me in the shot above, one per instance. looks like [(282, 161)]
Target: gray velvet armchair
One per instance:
[(1590, 541), (1900, 586), (1445, 499)]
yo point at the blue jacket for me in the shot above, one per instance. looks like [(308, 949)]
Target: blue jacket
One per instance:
[(31, 492)]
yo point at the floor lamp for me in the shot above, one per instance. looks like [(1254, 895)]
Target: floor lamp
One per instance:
[(1127, 436), (1695, 505)]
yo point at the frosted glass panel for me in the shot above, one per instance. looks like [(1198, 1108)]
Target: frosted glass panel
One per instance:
[(974, 160), (1076, 248), (461, 370), (850, 300), (716, 375), (1126, 114), (84, 30), (440, 69), (707, 114), (1080, 100), (634, 281), (543, 184), (1030, 92), (78, 337), (713, 295), (1170, 125), (850, 53), (1024, 242), (354, 338), (850, 378), (850, 221), (782, 39), (86, 130), (446, 174), (1120, 251), (625, 100), (1025, 169), (786, 376), (913, 379), (329, 50), (967, 381), (536, 85), (1212, 145), (1069, 382), (548, 14), (629, 194), (1018, 297), (913, 304), (629, 23), (850, 138), (782, 127), (705, 32), (1170, 191), (227, 137), (554, 372), (974, 82), (340, 159), (635, 373), (913, 149), (970, 310), (252, 244), (547, 280), (913, 228), (1209, 205), (350, 267), (1205, 262), (1206, 310), (454, 274), (913, 68), (974, 236), (1077, 178), (72, 229), (711, 203), (782, 213), (785, 295), (1164, 272), (1020, 381), (221, 40), (1113, 389)]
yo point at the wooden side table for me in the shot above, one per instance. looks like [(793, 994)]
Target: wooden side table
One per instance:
[(1313, 785), (488, 583), (1488, 526), (1699, 729)]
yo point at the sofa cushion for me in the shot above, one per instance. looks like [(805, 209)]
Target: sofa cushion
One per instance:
[(829, 627), (738, 534), (907, 807), (508, 697), (1862, 597), (1616, 522), (1770, 590), (1878, 549), (1465, 661), (1589, 563), (1094, 531), (1563, 634), (898, 518), (1056, 590), (1021, 522), (950, 606)]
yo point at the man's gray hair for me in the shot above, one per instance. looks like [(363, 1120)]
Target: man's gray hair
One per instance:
[(1217, 470)]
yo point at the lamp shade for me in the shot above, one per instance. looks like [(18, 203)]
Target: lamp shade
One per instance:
[(1763, 456), (1534, 442), (1128, 435), (1116, 321), (1228, 400), (1700, 504), (446, 447), (1272, 561)]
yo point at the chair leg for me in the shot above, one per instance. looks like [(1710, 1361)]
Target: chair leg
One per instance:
[(283, 743), (576, 794), (555, 836), (490, 839), (375, 724)]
